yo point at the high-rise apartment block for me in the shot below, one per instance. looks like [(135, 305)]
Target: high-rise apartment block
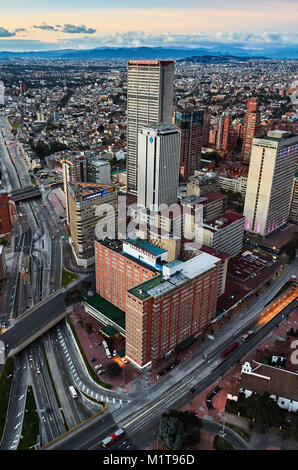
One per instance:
[(270, 179), (74, 171), (190, 124), (149, 101), (252, 128), (158, 165), (223, 130), (84, 201)]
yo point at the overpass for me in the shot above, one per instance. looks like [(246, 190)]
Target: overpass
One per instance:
[(35, 322), (25, 193)]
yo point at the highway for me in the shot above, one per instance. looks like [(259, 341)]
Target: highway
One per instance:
[(143, 414)]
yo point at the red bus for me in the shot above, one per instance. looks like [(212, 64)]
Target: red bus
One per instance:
[(229, 349), (112, 438)]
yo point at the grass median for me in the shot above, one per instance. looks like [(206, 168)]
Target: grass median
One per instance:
[(92, 373), (30, 429), (6, 378)]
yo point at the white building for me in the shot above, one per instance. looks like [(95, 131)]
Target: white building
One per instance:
[(158, 165), (270, 179)]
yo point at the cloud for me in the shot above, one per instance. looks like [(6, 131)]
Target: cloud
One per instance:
[(4, 33), (45, 27), (20, 30), (82, 29)]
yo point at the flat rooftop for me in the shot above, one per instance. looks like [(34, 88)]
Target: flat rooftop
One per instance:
[(106, 310), (223, 221), (189, 270), (146, 246)]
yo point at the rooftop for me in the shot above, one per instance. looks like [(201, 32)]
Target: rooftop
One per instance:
[(84, 191), (146, 246), (160, 284), (223, 221)]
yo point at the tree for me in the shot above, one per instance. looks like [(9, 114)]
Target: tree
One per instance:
[(263, 409), (178, 428), (113, 369)]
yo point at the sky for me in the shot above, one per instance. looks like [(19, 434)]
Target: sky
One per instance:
[(58, 24)]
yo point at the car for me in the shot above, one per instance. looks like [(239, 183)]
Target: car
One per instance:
[(101, 371), (124, 360), (92, 359), (192, 390), (98, 366), (38, 371), (114, 353)]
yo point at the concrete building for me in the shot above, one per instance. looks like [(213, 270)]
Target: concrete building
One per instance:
[(98, 171), (225, 233), (190, 124), (83, 201), (252, 128), (158, 165), (270, 179), (201, 183), (232, 183), (222, 135), (149, 101)]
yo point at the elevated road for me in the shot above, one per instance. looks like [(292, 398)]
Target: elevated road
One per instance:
[(25, 193), (39, 319)]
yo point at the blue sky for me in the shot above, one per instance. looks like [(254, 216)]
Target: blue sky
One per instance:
[(39, 25)]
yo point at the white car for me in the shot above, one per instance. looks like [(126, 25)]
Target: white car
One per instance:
[(114, 353), (99, 366)]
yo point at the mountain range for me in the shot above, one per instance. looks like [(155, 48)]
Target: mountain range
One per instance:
[(155, 53)]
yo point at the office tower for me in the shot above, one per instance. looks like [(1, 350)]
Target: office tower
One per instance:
[(252, 128), (74, 171), (222, 134), (206, 129), (270, 179), (84, 200), (161, 304), (293, 212), (158, 165), (149, 101), (189, 123)]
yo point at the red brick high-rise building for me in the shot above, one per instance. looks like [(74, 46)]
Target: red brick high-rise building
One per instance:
[(252, 128), (5, 222), (163, 303)]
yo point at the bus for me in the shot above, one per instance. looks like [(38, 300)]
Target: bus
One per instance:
[(73, 392), (112, 438), (229, 349), (247, 335)]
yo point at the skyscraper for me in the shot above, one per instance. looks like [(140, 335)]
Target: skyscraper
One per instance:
[(74, 171), (270, 179), (150, 86), (158, 165), (252, 128), (190, 126)]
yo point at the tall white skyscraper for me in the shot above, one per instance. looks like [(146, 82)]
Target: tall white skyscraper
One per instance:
[(158, 165), (271, 172), (150, 85)]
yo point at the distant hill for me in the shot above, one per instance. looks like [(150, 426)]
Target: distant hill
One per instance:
[(125, 53)]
